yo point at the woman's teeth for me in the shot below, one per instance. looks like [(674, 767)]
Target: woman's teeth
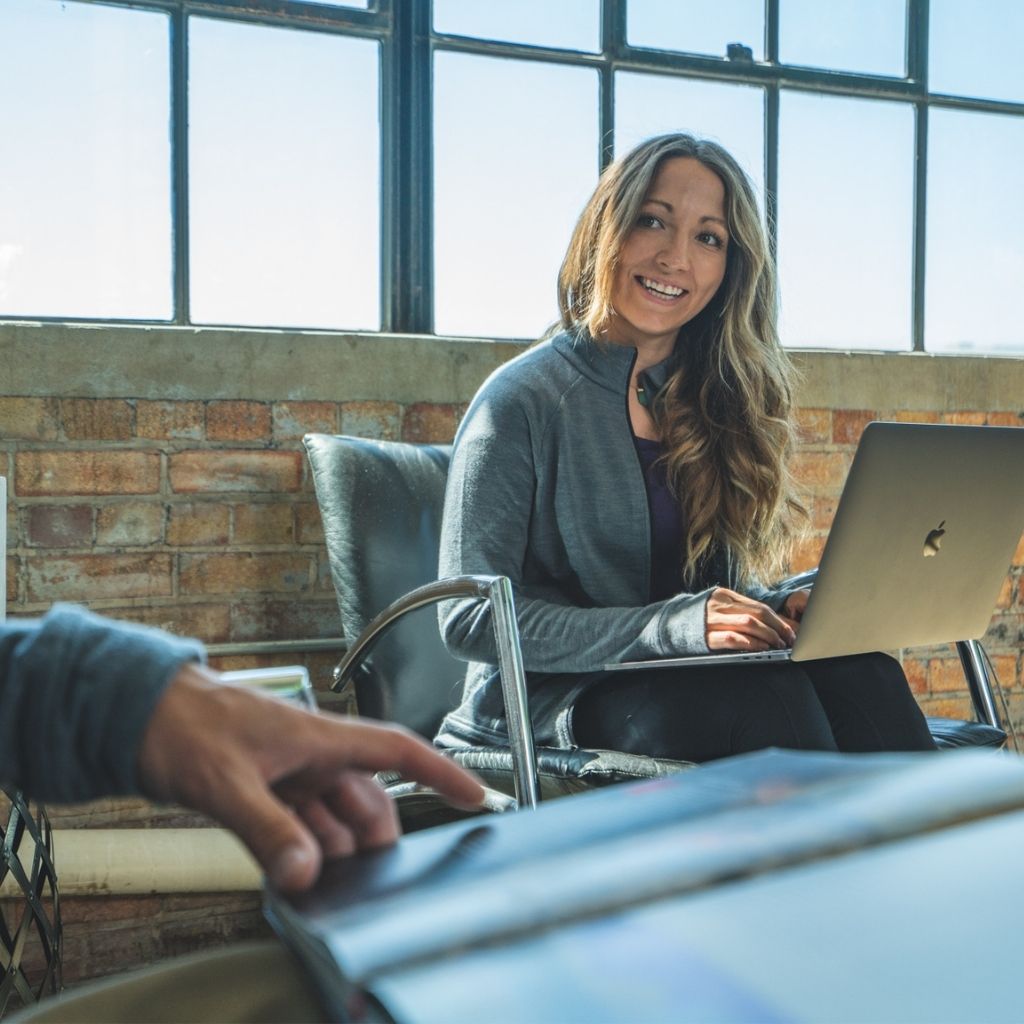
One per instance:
[(665, 290)]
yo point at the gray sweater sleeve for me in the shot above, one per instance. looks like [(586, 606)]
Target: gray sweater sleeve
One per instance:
[(76, 693), (489, 516)]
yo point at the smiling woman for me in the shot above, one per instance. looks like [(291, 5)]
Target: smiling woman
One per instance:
[(630, 476)]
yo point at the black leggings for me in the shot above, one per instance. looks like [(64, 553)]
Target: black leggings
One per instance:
[(858, 703)]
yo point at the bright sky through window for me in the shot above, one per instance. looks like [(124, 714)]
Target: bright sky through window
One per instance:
[(284, 171)]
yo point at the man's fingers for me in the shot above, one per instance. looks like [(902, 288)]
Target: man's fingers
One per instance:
[(366, 809), (335, 836), (274, 833), (369, 747)]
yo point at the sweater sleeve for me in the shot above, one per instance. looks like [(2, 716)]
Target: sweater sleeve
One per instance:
[(488, 507), (76, 693)]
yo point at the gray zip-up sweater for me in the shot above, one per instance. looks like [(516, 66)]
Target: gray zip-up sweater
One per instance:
[(546, 488), (76, 693)]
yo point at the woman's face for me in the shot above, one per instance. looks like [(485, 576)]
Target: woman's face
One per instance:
[(673, 259)]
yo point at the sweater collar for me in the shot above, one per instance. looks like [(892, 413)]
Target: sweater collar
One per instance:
[(608, 364)]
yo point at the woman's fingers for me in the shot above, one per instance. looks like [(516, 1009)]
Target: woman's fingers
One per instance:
[(735, 622)]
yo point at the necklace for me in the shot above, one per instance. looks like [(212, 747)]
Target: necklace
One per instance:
[(641, 395)]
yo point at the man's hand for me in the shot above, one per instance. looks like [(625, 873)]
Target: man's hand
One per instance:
[(295, 786), (738, 623)]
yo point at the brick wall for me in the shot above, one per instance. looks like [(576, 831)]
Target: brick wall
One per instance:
[(197, 516), (188, 505), (828, 438)]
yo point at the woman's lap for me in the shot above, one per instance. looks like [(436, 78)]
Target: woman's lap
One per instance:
[(860, 703)]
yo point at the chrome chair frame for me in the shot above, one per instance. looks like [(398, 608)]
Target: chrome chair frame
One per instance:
[(498, 591)]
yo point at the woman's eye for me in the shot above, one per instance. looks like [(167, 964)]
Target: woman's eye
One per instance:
[(648, 220), (710, 238)]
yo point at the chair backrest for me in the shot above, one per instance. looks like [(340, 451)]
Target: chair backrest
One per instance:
[(381, 504)]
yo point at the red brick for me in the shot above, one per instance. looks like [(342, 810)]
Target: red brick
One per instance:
[(1018, 555), (916, 672), (1005, 598), (946, 675), (308, 527), (208, 622), (807, 552), (41, 474), (427, 423), (814, 425), (13, 567), (264, 523), (1006, 667), (293, 419), (914, 416), (273, 618), (324, 580), (948, 707), (28, 419), (244, 573), (238, 421), (131, 524), (13, 526), (971, 419), (822, 473), (198, 524), (60, 526), (1005, 419), (380, 420), (170, 421), (849, 424), (97, 419), (212, 472), (823, 511), (99, 577)]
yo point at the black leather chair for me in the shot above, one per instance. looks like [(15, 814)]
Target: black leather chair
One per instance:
[(381, 505)]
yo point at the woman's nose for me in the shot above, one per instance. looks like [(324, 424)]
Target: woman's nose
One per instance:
[(675, 254)]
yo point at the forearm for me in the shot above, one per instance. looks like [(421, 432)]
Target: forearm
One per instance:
[(562, 638), (76, 692)]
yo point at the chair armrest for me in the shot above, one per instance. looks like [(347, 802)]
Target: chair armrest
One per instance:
[(498, 591)]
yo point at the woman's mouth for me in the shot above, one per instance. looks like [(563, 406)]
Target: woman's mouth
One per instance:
[(660, 290)]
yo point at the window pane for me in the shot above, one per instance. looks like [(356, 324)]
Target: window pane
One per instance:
[(571, 24), (697, 26), (85, 221), (975, 48), (285, 177), (733, 115), (509, 185), (363, 4), (845, 222), (868, 36), (975, 248)]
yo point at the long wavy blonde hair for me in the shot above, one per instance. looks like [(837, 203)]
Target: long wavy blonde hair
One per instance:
[(724, 414)]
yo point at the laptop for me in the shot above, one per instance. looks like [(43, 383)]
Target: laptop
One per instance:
[(920, 545)]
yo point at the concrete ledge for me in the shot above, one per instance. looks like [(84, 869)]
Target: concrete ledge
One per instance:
[(137, 861), (103, 361)]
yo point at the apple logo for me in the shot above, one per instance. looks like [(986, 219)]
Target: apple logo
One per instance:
[(933, 541)]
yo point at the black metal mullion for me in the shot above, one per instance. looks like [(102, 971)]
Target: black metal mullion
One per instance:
[(771, 127), (917, 68), (613, 37), (407, 199), (180, 255)]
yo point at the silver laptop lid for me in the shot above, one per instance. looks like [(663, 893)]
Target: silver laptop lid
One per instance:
[(922, 539)]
